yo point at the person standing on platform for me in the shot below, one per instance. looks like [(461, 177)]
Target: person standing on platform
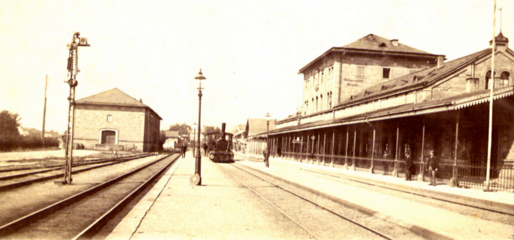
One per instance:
[(184, 149), (433, 165), (384, 162), (409, 167)]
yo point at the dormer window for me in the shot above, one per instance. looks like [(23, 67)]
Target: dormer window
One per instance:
[(385, 87), (382, 45)]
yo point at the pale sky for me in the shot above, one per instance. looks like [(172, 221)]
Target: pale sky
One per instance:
[(249, 51)]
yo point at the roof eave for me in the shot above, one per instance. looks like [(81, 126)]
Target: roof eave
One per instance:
[(368, 51)]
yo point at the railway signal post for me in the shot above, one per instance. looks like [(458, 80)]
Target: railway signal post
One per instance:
[(73, 70), (196, 179)]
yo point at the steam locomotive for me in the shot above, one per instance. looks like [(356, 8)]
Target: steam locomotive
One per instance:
[(220, 146)]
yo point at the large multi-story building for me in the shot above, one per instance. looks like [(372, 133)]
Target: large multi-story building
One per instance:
[(115, 120), (342, 72), (426, 105)]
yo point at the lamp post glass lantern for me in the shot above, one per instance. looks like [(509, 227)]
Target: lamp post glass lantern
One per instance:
[(196, 179)]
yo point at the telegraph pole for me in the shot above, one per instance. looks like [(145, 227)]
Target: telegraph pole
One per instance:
[(73, 70), (491, 93), (44, 113)]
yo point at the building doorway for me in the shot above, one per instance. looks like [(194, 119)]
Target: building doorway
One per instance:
[(108, 137)]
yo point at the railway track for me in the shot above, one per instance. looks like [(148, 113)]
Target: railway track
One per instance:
[(503, 216), (83, 214), (6, 171), (30, 177), (285, 197)]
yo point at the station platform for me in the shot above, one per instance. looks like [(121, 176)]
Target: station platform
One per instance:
[(174, 209)]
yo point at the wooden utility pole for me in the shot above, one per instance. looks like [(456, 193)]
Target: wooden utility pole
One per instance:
[(44, 113)]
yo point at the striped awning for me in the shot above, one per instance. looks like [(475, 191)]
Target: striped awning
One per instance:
[(429, 107), (482, 98)]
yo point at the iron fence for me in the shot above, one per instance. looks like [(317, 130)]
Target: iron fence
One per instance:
[(468, 175)]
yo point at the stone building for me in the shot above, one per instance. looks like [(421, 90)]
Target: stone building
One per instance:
[(256, 134), (115, 120), (442, 106), (172, 140), (342, 72)]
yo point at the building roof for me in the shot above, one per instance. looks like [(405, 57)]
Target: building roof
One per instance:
[(255, 126), (375, 44), (421, 78), (413, 109), (238, 129), (113, 97), (171, 134)]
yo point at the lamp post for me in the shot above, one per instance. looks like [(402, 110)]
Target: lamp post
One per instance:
[(196, 179), (73, 70), (194, 140), (266, 157)]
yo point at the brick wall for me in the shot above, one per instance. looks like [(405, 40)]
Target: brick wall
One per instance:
[(128, 122)]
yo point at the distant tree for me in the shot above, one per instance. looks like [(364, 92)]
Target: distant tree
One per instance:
[(9, 123), (209, 129), (183, 129)]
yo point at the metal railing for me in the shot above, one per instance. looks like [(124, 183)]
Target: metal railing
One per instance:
[(469, 175)]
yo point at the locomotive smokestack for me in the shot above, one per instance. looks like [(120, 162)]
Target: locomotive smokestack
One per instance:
[(223, 130)]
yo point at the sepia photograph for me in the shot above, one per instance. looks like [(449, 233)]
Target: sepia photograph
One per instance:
[(258, 119)]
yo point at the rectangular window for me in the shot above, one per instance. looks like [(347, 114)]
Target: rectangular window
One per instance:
[(360, 72), (386, 72), (109, 118)]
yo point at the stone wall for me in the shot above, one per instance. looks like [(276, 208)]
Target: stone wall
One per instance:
[(127, 122)]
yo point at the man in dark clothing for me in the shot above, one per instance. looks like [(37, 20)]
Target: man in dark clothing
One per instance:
[(385, 163), (409, 167), (433, 165), (184, 149)]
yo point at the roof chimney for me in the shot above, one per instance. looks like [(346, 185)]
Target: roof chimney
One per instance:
[(440, 61), (394, 42), (141, 100)]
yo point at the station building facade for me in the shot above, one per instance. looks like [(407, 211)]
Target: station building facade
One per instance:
[(424, 104), (115, 120), (256, 134)]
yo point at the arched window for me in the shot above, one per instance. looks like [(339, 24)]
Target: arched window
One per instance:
[(504, 79), (487, 78)]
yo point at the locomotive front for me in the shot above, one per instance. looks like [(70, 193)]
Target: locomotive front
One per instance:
[(223, 148)]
